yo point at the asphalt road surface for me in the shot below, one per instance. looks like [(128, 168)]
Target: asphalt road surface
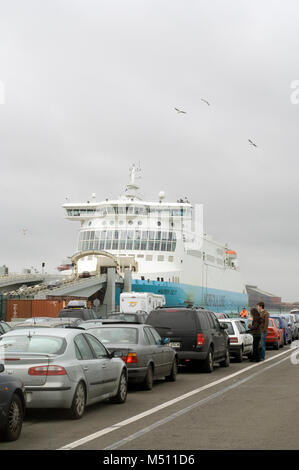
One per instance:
[(245, 406)]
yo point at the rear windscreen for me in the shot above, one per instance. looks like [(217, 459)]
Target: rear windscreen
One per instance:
[(74, 313), (120, 335), (230, 328), (174, 319), (32, 344)]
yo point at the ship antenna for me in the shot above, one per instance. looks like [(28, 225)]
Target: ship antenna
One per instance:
[(132, 188)]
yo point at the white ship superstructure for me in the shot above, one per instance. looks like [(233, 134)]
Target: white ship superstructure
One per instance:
[(163, 244)]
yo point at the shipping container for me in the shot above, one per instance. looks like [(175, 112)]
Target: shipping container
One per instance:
[(32, 308)]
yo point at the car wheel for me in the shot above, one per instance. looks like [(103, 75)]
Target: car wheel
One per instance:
[(14, 422), (226, 361), (122, 389), (149, 379), (173, 373), (208, 363), (79, 401), (276, 345)]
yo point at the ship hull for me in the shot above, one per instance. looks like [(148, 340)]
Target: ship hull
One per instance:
[(181, 294)]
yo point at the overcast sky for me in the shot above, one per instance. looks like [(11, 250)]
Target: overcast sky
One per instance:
[(90, 87)]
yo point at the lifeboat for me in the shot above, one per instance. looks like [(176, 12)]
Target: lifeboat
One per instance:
[(231, 254)]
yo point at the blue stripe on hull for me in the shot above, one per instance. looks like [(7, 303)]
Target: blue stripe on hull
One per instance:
[(178, 294)]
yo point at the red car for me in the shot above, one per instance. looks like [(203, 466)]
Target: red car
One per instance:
[(274, 334), (84, 275)]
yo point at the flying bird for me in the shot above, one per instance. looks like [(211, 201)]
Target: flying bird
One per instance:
[(179, 111), (205, 101), (252, 143)]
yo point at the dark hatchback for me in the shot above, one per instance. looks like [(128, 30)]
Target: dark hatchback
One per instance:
[(12, 406), (195, 334), (82, 313)]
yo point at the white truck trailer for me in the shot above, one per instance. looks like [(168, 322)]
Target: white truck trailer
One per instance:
[(131, 302)]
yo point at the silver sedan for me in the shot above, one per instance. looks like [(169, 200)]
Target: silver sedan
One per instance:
[(63, 368)]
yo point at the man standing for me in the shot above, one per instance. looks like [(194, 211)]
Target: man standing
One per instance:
[(244, 313), (265, 321)]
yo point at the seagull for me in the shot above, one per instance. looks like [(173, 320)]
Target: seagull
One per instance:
[(205, 101), (252, 143), (180, 111)]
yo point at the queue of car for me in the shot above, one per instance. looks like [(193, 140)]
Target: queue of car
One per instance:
[(77, 359)]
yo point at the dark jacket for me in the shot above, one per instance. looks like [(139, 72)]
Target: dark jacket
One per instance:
[(256, 326), (265, 320)]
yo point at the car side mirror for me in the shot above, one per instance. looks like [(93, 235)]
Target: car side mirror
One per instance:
[(2, 368), (166, 341)]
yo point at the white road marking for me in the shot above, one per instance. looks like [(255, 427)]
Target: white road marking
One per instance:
[(151, 411)]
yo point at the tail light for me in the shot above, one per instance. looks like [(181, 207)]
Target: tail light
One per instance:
[(200, 339), (233, 339), (47, 370), (131, 358), (271, 330)]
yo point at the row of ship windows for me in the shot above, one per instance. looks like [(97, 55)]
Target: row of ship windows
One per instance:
[(126, 245), (143, 235), (130, 210), (169, 258)]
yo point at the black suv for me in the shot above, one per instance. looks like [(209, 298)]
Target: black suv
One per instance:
[(195, 334)]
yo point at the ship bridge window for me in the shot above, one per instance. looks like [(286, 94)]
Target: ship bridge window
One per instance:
[(127, 240), (80, 212)]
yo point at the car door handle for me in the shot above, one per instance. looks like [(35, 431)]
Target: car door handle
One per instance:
[(85, 368)]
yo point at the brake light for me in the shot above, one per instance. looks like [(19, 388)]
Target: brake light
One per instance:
[(47, 370), (131, 358), (200, 339), (233, 339)]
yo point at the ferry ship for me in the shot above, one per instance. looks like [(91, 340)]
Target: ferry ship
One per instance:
[(164, 245)]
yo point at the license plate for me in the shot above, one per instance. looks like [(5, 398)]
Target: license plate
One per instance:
[(175, 345)]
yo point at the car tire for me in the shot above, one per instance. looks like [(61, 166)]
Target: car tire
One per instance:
[(79, 401), (208, 363), (148, 381), (173, 373), (226, 361), (14, 422), (276, 346), (122, 391)]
